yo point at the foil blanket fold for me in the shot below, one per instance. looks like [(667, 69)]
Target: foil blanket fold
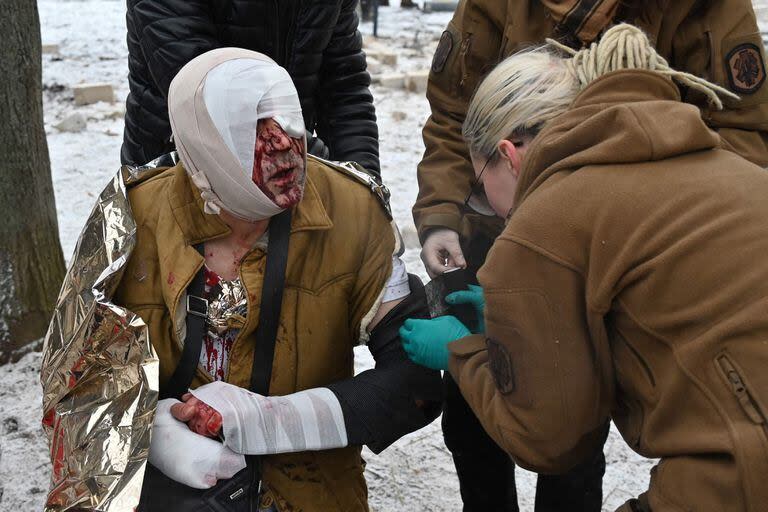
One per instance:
[(99, 371)]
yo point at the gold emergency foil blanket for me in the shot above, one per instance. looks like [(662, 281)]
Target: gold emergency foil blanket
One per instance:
[(99, 371), (227, 309)]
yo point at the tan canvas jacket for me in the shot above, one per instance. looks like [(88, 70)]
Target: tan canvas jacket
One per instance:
[(630, 281), (339, 259), (715, 40)]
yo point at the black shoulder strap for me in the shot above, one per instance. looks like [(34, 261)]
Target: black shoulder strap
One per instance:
[(197, 312), (269, 316), (271, 302)]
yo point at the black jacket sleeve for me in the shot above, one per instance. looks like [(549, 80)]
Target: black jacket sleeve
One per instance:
[(346, 118), (398, 396), (171, 33)]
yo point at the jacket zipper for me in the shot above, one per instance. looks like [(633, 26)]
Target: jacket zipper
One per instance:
[(463, 53), (739, 389)]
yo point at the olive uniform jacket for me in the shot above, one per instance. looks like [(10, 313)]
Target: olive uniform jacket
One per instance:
[(339, 260), (718, 41), (631, 281)]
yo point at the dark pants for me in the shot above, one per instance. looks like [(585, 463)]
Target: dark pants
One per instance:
[(487, 474)]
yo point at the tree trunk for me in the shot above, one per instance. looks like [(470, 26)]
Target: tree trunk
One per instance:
[(31, 262)]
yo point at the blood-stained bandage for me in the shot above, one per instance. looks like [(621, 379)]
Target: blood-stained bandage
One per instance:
[(214, 105)]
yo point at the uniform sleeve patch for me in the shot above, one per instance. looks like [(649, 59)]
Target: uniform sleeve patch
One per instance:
[(746, 68), (444, 48), (500, 364)]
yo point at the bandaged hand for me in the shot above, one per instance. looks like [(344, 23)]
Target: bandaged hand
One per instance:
[(186, 457), (441, 251), (199, 416), (253, 424)]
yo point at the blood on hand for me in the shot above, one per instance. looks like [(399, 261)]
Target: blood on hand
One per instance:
[(199, 416)]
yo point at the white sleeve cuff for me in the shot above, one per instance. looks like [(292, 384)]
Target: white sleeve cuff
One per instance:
[(397, 284)]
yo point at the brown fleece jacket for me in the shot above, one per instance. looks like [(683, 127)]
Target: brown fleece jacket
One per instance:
[(702, 38), (630, 282)]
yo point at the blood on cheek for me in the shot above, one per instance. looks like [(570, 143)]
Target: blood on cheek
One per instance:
[(274, 148)]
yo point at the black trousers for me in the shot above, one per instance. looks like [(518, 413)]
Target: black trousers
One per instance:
[(487, 474)]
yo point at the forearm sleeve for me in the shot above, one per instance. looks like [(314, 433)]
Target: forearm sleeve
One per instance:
[(397, 396), (533, 380), (468, 48)]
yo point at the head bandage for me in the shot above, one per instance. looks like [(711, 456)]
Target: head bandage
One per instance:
[(214, 105)]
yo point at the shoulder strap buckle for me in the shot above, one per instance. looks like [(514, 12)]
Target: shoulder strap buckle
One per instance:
[(197, 306)]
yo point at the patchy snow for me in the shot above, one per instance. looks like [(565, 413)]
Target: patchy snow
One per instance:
[(417, 472), (8, 308), (24, 462)]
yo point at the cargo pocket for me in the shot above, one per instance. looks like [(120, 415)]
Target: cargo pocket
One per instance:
[(738, 386), (479, 54), (749, 438)]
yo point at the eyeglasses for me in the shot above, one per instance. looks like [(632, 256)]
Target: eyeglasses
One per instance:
[(476, 185)]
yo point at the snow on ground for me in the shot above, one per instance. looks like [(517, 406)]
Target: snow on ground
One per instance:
[(416, 473)]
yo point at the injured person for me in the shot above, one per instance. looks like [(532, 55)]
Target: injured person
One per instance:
[(243, 186), (257, 270)]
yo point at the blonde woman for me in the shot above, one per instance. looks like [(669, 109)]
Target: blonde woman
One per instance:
[(629, 281)]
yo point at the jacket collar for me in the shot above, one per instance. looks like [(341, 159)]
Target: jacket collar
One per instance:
[(630, 116), (187, 206)]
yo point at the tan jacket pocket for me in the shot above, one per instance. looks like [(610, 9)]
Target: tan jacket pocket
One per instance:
[(737, 383)]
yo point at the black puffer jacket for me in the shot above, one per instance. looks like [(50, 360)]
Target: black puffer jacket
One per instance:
[(317, 41)]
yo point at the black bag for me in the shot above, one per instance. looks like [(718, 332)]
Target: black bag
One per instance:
[(241, 492)]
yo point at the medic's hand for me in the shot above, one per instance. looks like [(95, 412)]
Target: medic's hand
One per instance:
[(425, 341), (186, 457), (474, 297), (199, 416), (441, 251)]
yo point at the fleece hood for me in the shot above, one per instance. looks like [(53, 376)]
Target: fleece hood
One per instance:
[(621, 118)]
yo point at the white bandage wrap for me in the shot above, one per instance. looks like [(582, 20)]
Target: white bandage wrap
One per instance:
[(259, 425), (240, 92), (187, 457)]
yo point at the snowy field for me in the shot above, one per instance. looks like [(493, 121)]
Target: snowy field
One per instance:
[(414, 474)]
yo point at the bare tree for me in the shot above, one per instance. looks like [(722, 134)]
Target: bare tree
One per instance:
[(31, 262)]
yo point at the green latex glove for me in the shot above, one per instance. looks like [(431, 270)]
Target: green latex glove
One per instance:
[(425, 341), (474, 297)]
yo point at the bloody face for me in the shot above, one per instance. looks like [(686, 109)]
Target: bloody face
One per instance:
[(278, 164)]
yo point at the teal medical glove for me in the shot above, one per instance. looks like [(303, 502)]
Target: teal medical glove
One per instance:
[(425, 340), (474, 297)]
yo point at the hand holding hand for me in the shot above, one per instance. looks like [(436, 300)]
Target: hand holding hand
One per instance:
[(425, 341), (186, 457), (441, 251), (474, 297)]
